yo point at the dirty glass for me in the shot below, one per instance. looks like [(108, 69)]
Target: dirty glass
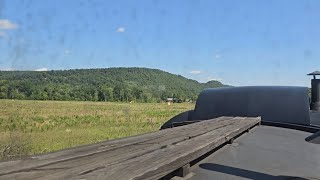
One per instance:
[(75, 72)]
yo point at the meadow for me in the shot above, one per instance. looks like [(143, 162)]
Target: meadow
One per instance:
[(32, 127)]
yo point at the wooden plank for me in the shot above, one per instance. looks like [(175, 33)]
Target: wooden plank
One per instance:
[(107, 146), (74, 165), (159, 163), (183, 171), (163, 151), (89, 150), (150, 147)]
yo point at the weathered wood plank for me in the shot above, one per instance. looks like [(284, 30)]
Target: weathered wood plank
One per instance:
[(90, 150), (112, 158), (73, 166), (122, 155), (107, 146), (163, 161)]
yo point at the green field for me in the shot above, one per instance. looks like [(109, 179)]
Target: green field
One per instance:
[(31, 127)]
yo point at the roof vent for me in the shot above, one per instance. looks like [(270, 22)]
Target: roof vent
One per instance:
[(315, 91)]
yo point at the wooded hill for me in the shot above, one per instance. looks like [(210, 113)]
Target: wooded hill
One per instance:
[(111, 84)]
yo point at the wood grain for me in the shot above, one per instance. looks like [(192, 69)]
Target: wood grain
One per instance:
[(146, 156)]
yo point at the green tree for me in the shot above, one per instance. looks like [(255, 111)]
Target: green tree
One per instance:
[(104, 89), (147, 97), (112, 84)]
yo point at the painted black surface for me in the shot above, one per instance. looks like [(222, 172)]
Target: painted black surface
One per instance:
[(306, 128), (315, 118), (272, 103), (178, 119), (264, 153), (249, 174), (315, 95), (314, 138), (314, 74)]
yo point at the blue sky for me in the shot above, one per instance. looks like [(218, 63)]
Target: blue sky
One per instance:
[(247, 42)]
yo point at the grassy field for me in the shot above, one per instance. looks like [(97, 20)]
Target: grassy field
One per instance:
[(30, 127)]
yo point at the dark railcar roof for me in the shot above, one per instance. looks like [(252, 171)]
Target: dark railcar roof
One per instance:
[(272, 103), (265, 153)]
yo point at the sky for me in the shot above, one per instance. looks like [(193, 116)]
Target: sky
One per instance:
[(240, 43)]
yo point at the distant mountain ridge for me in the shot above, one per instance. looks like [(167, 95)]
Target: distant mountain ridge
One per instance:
[(107, 84)]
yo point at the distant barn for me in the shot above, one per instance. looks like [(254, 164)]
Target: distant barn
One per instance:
[(174, 100)]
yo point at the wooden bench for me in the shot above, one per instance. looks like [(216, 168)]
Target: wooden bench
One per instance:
[(147, 156)]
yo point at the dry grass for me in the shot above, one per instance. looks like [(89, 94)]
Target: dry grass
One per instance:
[(43, 126)]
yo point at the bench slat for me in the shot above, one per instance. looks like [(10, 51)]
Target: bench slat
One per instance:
[(92, 149), (144, 156)]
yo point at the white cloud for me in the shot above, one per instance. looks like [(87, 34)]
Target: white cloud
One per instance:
[(41, 69), (195, 72), (210, 78), (6, 24), (121, 29)]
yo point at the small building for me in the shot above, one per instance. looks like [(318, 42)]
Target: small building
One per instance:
[(174, 100), (170, 100)]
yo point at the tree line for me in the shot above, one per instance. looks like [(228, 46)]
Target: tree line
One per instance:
[(112, 84)]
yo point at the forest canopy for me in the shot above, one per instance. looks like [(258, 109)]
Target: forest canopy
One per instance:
[(108, 84)]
